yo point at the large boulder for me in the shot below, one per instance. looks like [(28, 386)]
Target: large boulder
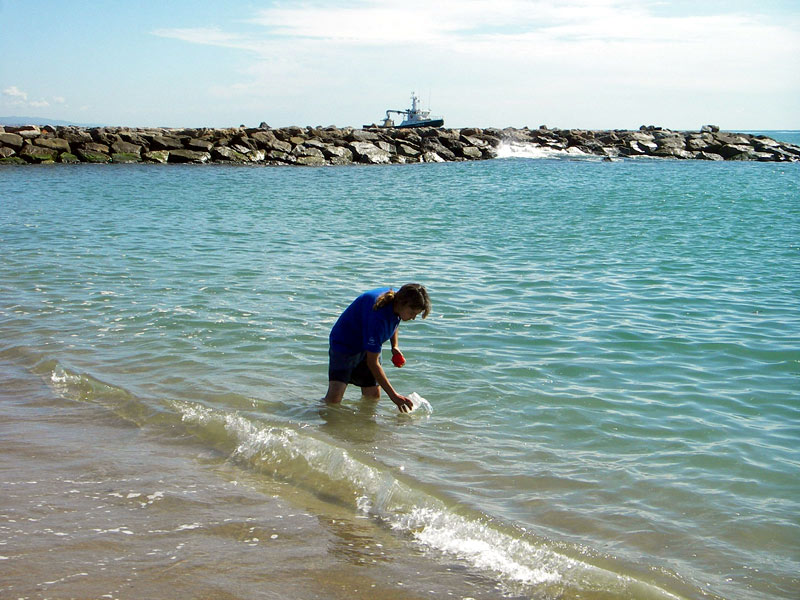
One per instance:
[(74, 135), (255, 155), (408, 150), (95, 147), (672, 146), (433, 145), (474, 141), (28, 132), (13, 140), (265, 140), (157, 156), (472, 131), (637, 148), (243, 143), (126, 148), (472, 153), (53, 144), (38, 154), (279, 156), (317, 143), (134, 137), (407, 135), (429, 156), (280, 146), (370, 153), (729, 151), (360, 135), (68, 158), (87, 155), (105, 136), (784, 154), (749, 154), (303, 150), (338, 155), (383, 145), (698, 142), (329, 134), (198, 144), (227, 154), (311, 161), (648, 147), (12, 160), (241, 148), (165, 142), (719, 140), (188, 156)]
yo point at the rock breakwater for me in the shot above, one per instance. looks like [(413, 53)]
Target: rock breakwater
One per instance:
[(319, 146)]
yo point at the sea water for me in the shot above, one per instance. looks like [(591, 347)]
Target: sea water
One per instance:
[(612, 363)]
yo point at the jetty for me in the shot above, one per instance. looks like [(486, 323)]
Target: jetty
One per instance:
[(321, 146)]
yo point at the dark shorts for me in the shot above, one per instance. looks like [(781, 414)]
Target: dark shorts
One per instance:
[(350, 368)]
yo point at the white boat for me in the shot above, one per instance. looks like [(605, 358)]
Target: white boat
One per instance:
[(414, 116)]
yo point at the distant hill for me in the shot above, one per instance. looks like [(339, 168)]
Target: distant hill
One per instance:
[(13, 121)]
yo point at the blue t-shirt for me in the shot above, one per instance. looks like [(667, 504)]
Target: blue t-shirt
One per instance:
[(360, 328)]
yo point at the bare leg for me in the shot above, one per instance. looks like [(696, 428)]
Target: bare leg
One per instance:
[(371, 393), (335, 392)]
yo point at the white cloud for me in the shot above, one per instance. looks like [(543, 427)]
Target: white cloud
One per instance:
[(18, 97), (210, 36), (16, 94), (613, 33), (525, 51)]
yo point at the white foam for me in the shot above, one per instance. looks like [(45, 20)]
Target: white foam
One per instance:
[(62, 379), (517, 559), (513, 149), (483, 546)]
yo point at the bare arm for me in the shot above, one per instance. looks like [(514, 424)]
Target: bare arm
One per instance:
[(398, 360), (403, 403)]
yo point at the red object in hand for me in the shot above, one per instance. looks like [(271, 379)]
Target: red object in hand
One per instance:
[(397, 359)]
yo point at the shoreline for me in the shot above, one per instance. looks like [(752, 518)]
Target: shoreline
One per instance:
[(328, 146), (142, 512)]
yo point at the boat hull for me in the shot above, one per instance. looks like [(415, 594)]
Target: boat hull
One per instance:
[(425, 123)]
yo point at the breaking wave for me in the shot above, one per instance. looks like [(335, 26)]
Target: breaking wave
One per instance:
[(518, 560), (516, 149)]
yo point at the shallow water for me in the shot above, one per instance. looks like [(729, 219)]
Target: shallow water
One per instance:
[(612, 360)]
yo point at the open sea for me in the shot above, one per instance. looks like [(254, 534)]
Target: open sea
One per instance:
[(612, 364)]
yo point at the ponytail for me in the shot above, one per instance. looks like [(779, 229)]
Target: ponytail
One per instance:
[(384, 299)]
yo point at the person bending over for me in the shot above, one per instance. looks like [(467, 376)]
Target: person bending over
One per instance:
[(359, 333)]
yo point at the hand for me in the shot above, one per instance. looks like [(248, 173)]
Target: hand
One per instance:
[(398, 360), (404, 405)]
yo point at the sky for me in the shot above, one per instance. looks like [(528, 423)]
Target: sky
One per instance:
[(594, 64)]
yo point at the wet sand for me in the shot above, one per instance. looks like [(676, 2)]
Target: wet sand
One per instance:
[(93, 507)]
